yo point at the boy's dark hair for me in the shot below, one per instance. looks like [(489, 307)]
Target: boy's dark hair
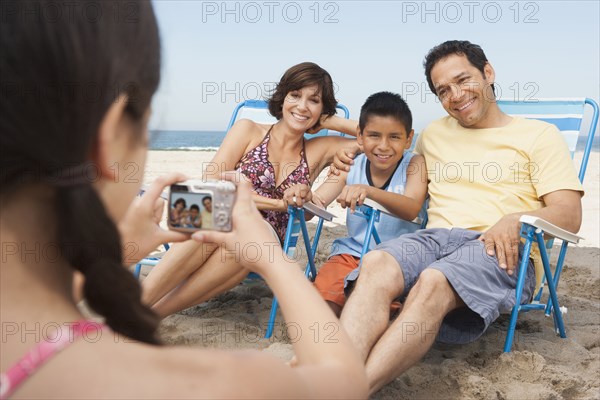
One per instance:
[(473, 52), (299, 76), (49, 123), (195, 207), (386, 104)]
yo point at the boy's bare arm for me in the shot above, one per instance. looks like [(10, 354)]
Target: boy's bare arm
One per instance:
[(405, 206)]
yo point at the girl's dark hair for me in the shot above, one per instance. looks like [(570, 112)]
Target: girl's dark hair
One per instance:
[(60, 72), (473, 52), (299, 76)]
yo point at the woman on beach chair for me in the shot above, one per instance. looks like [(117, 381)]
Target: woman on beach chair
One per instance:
[(281, 165), (64, 209)]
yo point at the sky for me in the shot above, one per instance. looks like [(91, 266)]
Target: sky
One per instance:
[(216, 54)]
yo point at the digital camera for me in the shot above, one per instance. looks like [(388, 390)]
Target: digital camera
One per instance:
[(201, 205)]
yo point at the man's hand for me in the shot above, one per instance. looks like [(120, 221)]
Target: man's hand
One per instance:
[(353, 195), (297, 195), (502, 240)]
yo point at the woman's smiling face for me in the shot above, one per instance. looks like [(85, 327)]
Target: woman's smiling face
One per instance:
[(302, 108)]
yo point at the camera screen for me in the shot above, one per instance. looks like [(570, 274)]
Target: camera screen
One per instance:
[(190, 210)]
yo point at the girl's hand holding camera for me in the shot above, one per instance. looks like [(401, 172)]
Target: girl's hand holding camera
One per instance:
[(139, 227), (248, 228)]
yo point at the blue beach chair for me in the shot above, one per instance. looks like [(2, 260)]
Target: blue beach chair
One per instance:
[(257, 111), (371, 211), (150, 261), (297, 225), (567, 115)]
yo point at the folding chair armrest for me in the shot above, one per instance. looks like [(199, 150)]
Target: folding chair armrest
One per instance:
[(550, 229), (375, 205), (318, 211)]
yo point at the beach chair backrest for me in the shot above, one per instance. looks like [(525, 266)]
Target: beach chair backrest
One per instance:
[(565, 114), (254, 110)]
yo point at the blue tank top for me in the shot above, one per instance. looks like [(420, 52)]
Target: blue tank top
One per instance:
[(388, 227)]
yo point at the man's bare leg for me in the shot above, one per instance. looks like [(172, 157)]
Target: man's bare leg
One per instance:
[(412, 334), (336, 308), (366, 314)]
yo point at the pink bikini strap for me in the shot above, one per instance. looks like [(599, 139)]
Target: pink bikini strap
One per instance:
[(40, 354)]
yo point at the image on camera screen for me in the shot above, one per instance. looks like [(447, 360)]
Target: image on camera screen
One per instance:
[(191, 210)]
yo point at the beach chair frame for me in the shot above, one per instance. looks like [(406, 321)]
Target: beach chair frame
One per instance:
[(567, 115), (151, 261), (371, 211), (297, 225)]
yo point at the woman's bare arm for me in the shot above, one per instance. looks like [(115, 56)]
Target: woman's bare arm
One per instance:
[(330, 189), (240, 138), (338, 124), (320, 151)]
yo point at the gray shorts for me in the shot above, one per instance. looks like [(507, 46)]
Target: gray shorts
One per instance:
[(486, 289)]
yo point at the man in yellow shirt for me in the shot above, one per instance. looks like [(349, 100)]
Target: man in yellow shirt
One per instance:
[(485, 169), (207, 217)]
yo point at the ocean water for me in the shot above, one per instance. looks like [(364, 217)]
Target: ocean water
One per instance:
[(186, 140), (211, 140)]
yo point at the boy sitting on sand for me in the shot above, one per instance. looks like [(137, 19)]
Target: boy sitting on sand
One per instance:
[(386, 173)]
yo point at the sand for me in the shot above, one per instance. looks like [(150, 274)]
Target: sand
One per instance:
[(541, 365)]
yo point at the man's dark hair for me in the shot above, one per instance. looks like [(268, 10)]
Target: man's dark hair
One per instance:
[(473, 52), (386, 104)]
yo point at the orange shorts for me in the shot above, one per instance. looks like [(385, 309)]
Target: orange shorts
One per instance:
[(330, 279)]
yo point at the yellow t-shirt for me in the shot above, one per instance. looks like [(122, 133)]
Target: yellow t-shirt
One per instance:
[(206, 219), (476, 176)]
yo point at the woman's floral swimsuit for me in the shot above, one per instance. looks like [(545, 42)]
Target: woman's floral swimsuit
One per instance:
[(255, 165)]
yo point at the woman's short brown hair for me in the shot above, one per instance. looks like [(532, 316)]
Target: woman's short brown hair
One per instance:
[(299, 76)]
